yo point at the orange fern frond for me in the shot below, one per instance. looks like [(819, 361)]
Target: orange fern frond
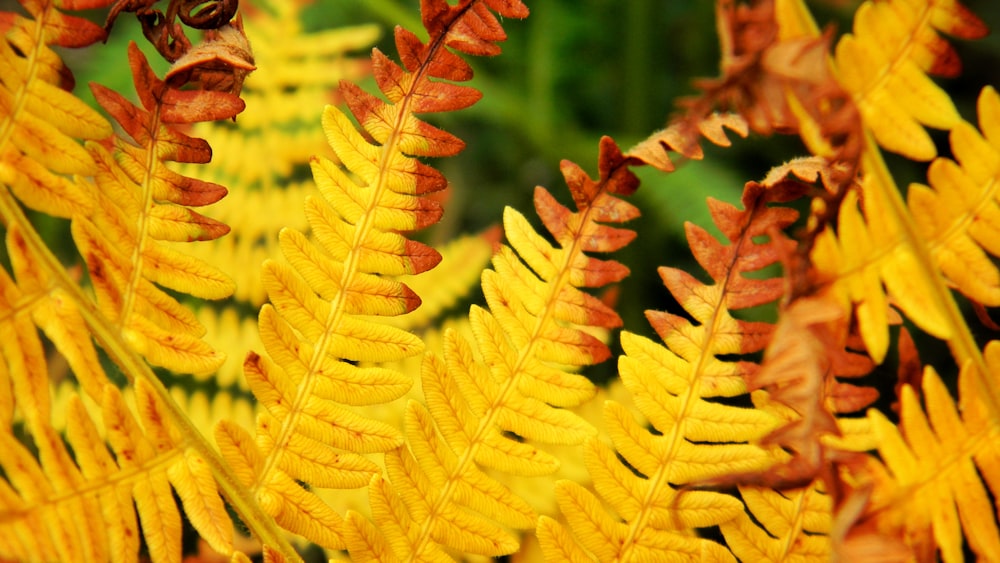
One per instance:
[(695, 439), (320, 329), (140, 201)]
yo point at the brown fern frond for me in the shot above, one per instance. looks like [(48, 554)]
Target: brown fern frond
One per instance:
[(320, 329)]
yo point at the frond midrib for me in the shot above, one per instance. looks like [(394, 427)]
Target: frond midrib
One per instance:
[(145, 202)]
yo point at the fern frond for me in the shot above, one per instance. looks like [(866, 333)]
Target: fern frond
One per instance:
[(797, 526), (957, 214), (260, 156), (40, 120), (510, 377), (35, 300), (42, 512), (695, 439), (476, 394), (141, 201), (884, 65), (320, 329), (939, 477)]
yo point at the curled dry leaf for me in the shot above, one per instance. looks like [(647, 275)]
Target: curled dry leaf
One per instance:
[(220, 63)]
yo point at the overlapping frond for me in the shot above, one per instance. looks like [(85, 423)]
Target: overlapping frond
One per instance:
[(958, 213), (261, 157), (937, 488), (489, 400), (695, 439), (508, 380), (140, 201), (41, 122), (884, 65), (83, 505), (320, 329), (878, 253)]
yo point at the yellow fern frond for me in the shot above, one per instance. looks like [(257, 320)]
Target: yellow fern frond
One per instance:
[(940, 468), (321, 329), (957, 214), (884, 66), (476, 393), (261, 155), (42, 517), (506, 381), (40, 120), (140, 201), (796, 526)]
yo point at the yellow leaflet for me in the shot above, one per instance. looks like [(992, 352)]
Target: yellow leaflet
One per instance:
[(238, 449), (176, 351), (351, 385), (194, 483), (302, 512), (553, 385), (40, 189), (533, 419), (185, 273), (294, 301), (318, 463), (532, 248), (357, 154)]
